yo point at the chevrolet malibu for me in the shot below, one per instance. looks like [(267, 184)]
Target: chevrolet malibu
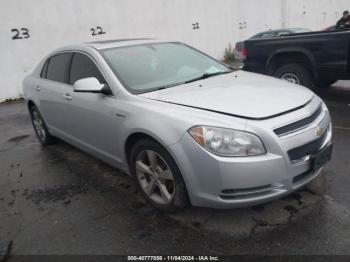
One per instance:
[(188, 128)]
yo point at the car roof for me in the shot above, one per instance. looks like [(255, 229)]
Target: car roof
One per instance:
[(286, 29), (282, 30), (105, 44)]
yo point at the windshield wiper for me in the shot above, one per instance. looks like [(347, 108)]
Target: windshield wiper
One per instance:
[(206, 75), (164, 87)]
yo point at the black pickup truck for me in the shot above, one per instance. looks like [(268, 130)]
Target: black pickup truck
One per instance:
[(311, 59)]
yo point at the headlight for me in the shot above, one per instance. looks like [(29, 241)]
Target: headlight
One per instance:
[(227, 142)]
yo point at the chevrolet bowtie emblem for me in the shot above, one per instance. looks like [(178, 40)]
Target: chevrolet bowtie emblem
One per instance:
[(319, 131)]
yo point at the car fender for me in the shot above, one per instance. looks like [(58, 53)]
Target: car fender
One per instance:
[(302, 51)]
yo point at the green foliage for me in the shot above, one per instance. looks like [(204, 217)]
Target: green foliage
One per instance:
[(12, 100), (229, 55)]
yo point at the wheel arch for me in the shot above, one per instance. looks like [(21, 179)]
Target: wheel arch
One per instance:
[(30, 103), (291, 55), (136, 136)]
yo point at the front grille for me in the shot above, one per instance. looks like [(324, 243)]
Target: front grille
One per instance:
[(298, 124), (308, 149)]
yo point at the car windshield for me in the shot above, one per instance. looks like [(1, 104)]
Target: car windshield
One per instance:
[(149, 67)]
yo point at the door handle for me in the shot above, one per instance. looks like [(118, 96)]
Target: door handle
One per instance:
[(37, 88), (67, 97)]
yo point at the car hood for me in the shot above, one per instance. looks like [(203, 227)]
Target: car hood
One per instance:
[(239, 93)]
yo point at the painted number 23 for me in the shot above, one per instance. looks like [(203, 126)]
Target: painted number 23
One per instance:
[(22, 33)]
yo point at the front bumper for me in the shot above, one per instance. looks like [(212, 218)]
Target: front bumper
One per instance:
[(221, 182)]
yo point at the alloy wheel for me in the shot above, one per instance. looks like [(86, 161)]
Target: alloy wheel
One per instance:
[(155, 177), (39, 125)]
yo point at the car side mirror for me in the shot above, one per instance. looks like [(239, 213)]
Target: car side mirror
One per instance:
[(90, 85)]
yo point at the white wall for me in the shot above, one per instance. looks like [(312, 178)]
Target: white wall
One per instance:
[(53, 23)]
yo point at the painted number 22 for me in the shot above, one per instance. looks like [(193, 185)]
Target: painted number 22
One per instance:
[(195, 26), (97, 31), (22, 33)]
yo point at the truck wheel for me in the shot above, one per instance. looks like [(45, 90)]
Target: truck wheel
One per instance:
[(157, 176), (296, 74)]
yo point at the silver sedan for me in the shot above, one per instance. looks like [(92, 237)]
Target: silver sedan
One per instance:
[(188, 128)]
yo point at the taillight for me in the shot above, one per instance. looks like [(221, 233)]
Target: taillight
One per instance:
[(238, 47), (244, 53)]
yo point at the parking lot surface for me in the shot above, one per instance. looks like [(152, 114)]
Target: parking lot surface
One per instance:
[(58, 200)]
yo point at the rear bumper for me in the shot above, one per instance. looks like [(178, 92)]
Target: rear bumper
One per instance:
[(254, 68)]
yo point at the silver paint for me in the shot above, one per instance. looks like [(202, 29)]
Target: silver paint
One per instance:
[(101, 125)]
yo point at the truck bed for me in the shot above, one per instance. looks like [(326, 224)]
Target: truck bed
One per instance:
[(324, 53)]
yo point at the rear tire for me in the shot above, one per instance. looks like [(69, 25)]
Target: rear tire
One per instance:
[(157, 176), (296, 74), (40, 128)]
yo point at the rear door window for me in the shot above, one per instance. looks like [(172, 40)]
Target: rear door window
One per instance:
[(268, 35), (84, 67), (58, 66)]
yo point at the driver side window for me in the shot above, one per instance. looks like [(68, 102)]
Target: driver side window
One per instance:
[(83, 67)]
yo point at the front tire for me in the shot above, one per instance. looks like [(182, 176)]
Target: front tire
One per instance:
[(40, 128), (295, 73), (157, 176)]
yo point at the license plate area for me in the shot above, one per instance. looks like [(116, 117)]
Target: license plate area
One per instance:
[(321, 158)]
